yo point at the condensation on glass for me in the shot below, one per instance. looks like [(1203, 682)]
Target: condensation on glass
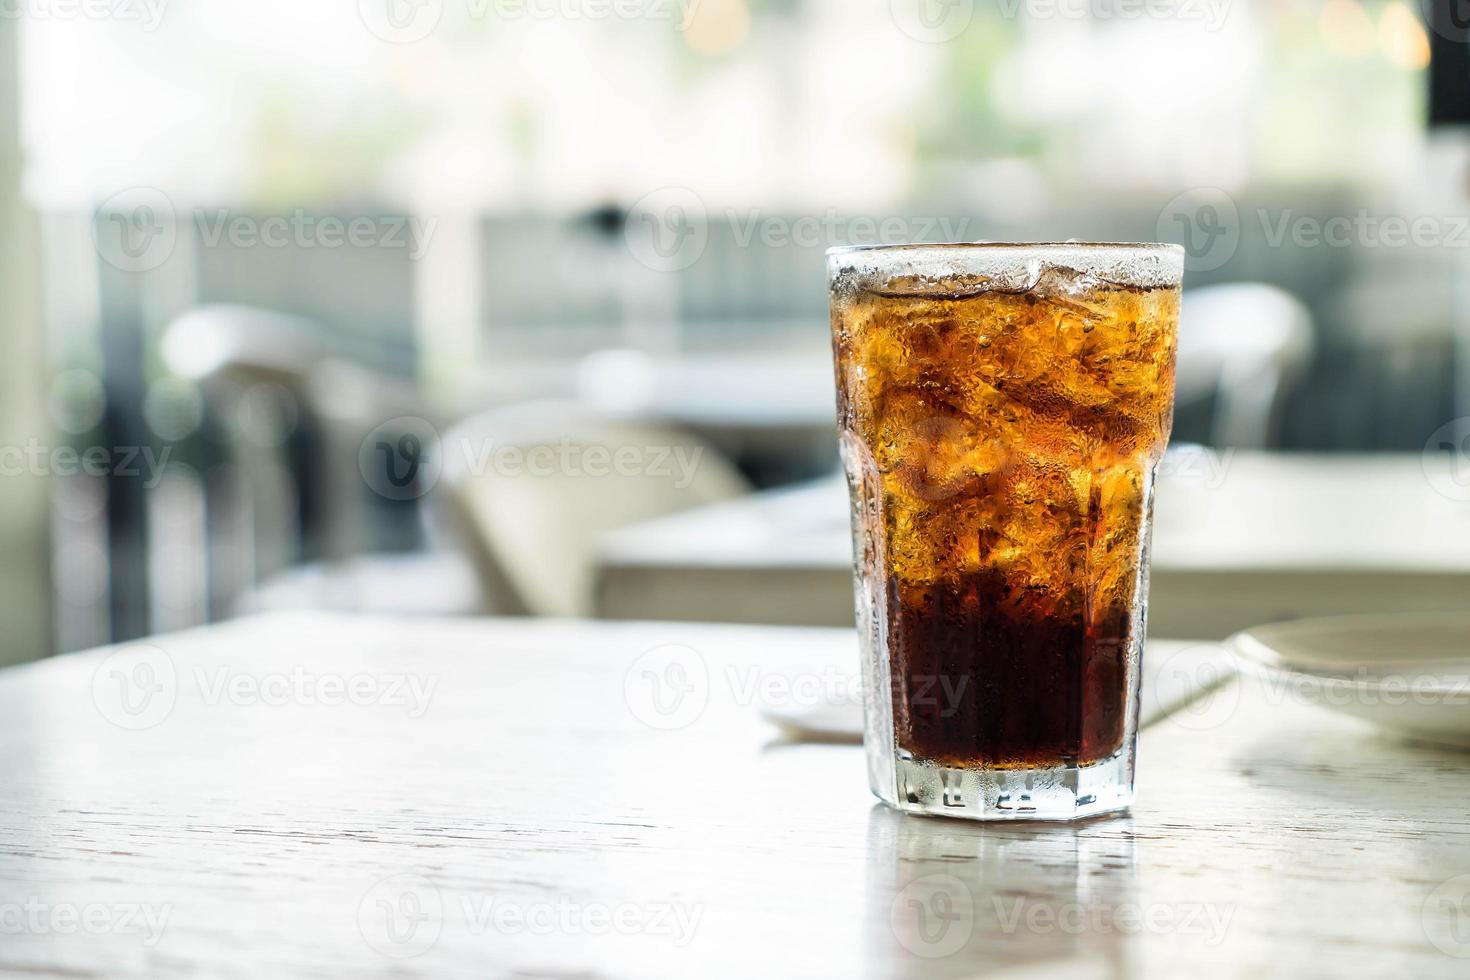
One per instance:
[(1002, 410)]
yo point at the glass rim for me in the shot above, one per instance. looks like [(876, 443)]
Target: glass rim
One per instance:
[(1009, 266), (1006, 246)]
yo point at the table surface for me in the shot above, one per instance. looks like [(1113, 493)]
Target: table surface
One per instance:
[(1281, 535), (310, 796)]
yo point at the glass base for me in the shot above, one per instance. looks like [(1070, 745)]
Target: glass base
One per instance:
[(1056, 793)]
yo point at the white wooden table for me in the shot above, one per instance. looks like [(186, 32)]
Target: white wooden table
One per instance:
[(306, 796), (1240, 539)]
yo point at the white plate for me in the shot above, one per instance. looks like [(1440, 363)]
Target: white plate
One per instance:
[(1409, 671)]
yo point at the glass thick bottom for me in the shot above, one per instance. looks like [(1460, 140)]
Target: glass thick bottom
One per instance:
[(1056, 793)]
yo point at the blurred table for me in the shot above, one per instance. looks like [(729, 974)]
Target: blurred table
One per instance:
[(309, 796), (1240, 539)]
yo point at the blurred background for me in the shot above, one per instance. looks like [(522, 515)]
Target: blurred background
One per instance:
[(453, 306)]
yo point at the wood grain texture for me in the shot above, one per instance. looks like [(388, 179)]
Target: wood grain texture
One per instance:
[(534, 814)]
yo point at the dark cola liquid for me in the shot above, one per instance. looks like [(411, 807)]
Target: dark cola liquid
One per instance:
[(974, 686)]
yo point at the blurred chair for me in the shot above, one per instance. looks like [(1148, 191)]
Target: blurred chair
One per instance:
[(293, 411), (525, 502), (250, 366), (1242, 344)]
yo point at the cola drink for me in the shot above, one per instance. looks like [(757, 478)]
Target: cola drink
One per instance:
[(1002, 410)]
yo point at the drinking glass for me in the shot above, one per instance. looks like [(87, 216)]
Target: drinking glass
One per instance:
[(1002, 411)]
